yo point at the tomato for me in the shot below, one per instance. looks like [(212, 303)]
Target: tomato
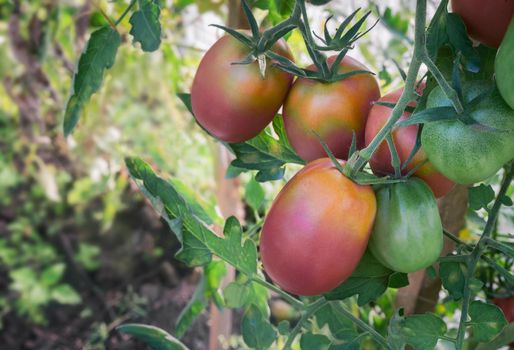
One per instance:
[(232, 101), (504, 67), (332, 110), (507, 306), (404, 140), (316, 230), (486, 21), (407, 234), (470, 153)]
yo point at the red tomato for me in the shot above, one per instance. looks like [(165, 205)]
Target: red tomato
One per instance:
[(404, 140), (332, 110), (486, 21), (507, 306), (233, 102), (317, 230)]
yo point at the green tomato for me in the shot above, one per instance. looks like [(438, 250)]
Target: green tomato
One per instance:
[(407, 235), (504, 66), (470, 153)]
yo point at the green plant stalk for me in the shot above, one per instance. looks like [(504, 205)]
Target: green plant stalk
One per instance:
[(478, 251), (395, 158), (362, 325), (360, 158), (124, 14), (292, 300), (311, 310)]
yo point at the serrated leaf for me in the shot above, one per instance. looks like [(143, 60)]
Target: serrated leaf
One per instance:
[(146, 28), (165, 196), (487, 320), (453, 278), (154, 337), (257, 332), (480, 196), (254, 194), (98, 56), (420, 331), (369, 280)]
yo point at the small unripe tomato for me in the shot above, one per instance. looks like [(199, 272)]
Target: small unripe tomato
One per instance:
[(232, 101), (404, 139), (316, 230), (331, 110)]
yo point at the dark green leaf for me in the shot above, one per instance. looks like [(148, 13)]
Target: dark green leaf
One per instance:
[(452, 278), (310, 340), (480, 196), (429, 115), (254, 194), (283, 327), (98, 56), (398, 280), (420, 331), (487, 320), (369, 280), (154, 337), (186, 100), (165, 196), (146, 28), (257, 332)]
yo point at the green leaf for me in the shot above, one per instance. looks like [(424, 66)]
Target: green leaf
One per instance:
[(452, 278), (52, 274), (487, 320), (146, 28), (254, 194), (98, 56), (193, 309), (156, 338), (369, 280), (265, 153), (310, 340), (343, 330), (257, 332), (165, 198), (420, 331), (65, 294), (480, 196), (236, 295)]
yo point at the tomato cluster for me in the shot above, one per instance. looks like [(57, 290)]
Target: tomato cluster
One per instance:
[(321, 222)]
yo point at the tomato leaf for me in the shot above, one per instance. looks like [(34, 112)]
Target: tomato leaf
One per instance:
[(452, 278), (156, 338), (257, 331), (146, 28), (420, 331), (343, 330), (487, 320), (192, 310), (311, 340), (254, 194), (480, 196), (428, 115), (98, 56), (265, 153), (166, 199), (369, 280)]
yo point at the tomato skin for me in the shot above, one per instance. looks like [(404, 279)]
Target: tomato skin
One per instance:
[(407, 235), (468, 154), (316, 230), (507, 306), (486, 21), (232, 102), (332, 110), (404, 140), (504, 67)]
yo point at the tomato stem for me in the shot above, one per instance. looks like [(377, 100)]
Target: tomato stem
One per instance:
[(311, 310), (292, 300), (129, 7)]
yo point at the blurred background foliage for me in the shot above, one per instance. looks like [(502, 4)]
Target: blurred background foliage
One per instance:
[(80, 251)]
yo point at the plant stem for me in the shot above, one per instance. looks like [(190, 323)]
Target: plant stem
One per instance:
[(478, 251), (359, 159), (362, 325), (311, 310), (129, 7), (292, 300)]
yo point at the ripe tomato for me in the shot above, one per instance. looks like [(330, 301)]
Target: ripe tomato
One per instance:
[(407, 235), (470, 153), (232, 101), (332, 110), (316, 230), (507, 306), (504, 66), (404, 140), (486, 21)]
